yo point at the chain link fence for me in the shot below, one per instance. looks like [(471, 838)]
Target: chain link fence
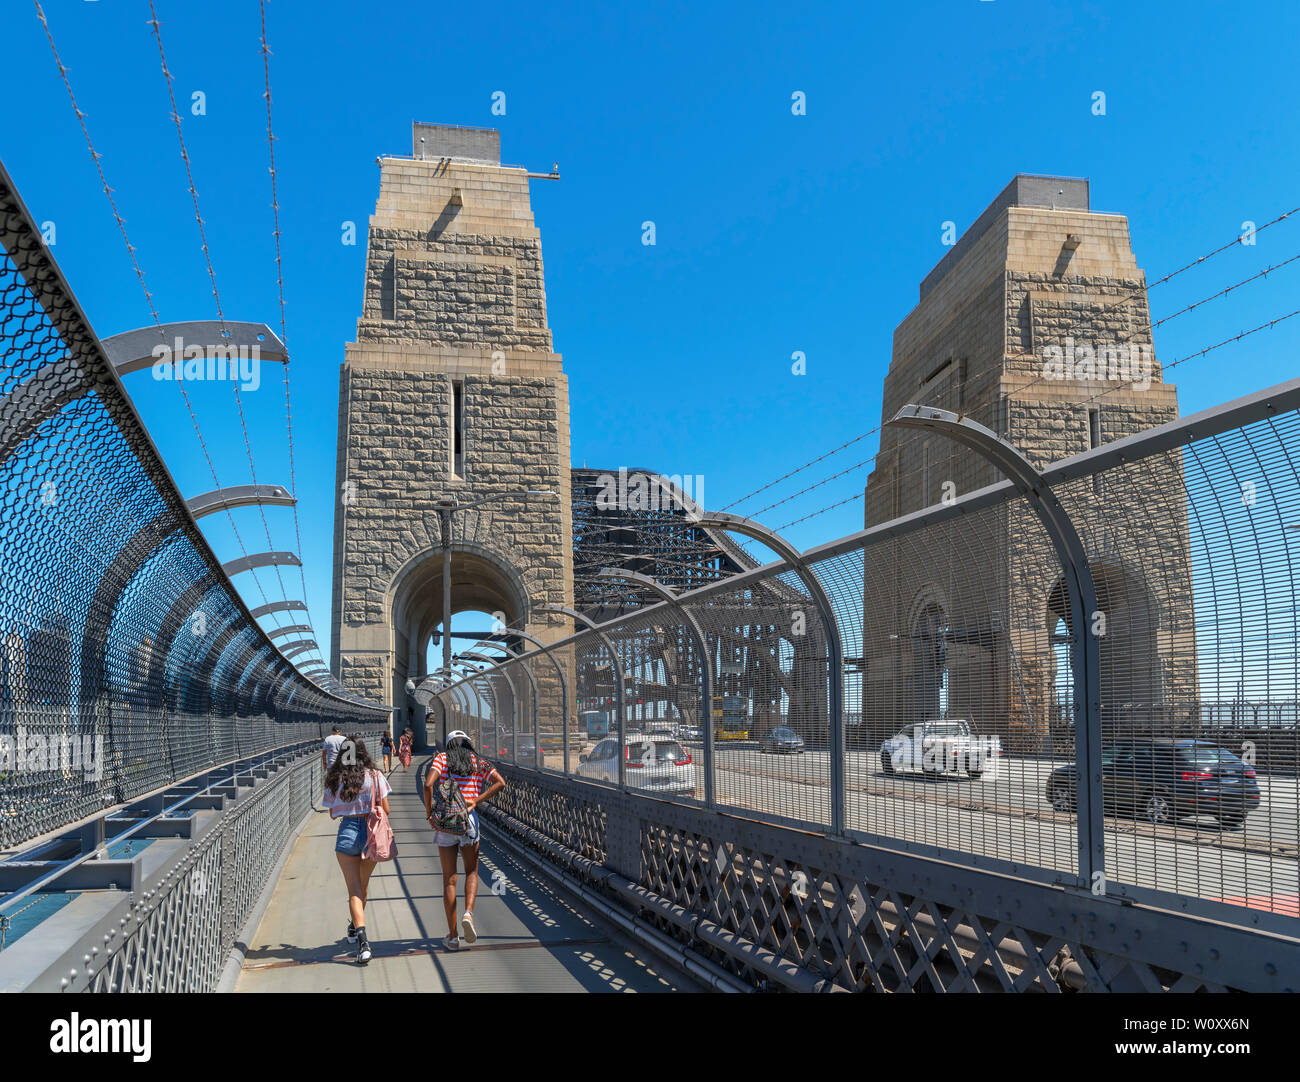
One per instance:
[(127, 659)]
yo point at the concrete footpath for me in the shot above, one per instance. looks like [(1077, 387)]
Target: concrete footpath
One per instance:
[(531, 939)]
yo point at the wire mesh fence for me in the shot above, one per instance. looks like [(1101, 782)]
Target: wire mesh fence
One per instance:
[(127, 659), (959, 690)]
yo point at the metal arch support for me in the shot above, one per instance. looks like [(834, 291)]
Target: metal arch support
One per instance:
[(222, 499), (288, 629), (229, 629), (472, 677), (254, 672), (260, 559), (460, 698), (512, 655), (178, 616), (451, 687), (1085, 651), (706, 671), (38, 398), (132, 351), (615, 664), (564, 690), (472, 674), (283, 605), (293, 649), (835, 643), (528, 672), (238, 668), (103, 604), (564, 694)]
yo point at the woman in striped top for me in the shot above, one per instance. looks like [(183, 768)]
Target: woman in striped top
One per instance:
[(477, 781)]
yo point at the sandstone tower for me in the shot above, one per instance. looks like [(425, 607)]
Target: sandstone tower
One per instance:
[(968, 620), (451, 390)]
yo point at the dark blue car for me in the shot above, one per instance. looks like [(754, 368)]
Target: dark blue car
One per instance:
[(782, 740), (1163, 781)]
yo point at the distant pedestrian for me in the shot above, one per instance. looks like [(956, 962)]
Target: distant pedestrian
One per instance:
[(404, 750), (353, 787), (330, 749), (386, 746), (457, 782)]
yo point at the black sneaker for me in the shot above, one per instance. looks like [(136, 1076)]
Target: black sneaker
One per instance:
[(352, 933), (363, 947)]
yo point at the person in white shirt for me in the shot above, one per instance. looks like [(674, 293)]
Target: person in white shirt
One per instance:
[(330, 749), (353, 787)]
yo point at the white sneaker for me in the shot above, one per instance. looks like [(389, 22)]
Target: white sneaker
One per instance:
[(467, 929), (451, 944)]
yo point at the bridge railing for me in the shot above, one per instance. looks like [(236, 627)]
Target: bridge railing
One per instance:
[(956, 619), (127, 659)]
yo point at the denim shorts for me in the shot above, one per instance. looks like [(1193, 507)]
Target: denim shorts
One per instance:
[(353, 833), (470, 837)]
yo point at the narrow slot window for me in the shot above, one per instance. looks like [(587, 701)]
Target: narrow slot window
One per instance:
[(458, 428)]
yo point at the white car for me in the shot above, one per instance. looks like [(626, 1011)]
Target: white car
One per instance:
[(941, 747), (656, 764)]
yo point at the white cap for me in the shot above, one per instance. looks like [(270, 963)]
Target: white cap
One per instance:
[(455, 733)]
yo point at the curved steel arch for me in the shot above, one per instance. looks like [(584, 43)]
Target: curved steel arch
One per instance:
[(1085, 651), (668, 594), (293, 649), (260, 559), (133, 351), (289, 629), (41, 396), (284, 604), (103, 605), (232, 496)]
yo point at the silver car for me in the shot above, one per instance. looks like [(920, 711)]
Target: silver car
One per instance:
[(658, 765)]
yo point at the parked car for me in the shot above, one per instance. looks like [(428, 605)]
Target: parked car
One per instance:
[(1163, 781), (658, 765), (783, 740), (693, 733), (940, 747)]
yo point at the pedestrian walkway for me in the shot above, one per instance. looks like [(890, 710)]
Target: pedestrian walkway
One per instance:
[(530, 938)]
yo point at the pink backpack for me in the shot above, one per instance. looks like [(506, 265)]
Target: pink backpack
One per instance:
[(380, 843)]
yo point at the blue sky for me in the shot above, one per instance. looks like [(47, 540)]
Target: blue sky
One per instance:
[(775, 232)]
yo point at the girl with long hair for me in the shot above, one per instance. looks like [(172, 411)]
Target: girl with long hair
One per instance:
[(353, 786), (404, 749), (477, 780)]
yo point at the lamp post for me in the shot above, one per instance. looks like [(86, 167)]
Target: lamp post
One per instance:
[(668, 594), (615, 665), (446, 509)]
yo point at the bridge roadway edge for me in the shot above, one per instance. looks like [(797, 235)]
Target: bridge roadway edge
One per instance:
[(1124, 943)]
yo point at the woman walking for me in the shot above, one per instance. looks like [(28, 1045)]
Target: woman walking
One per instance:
[(353, 787), (477, 780), (404, 749), (386, 746)]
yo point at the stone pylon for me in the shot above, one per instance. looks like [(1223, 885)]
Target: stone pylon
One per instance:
[(1036, 325), (451, 391)]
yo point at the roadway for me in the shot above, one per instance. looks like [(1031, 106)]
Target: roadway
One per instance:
[(1007, 817)]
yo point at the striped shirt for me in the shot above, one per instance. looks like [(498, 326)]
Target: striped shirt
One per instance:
[(471, 785), (364, 800)]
